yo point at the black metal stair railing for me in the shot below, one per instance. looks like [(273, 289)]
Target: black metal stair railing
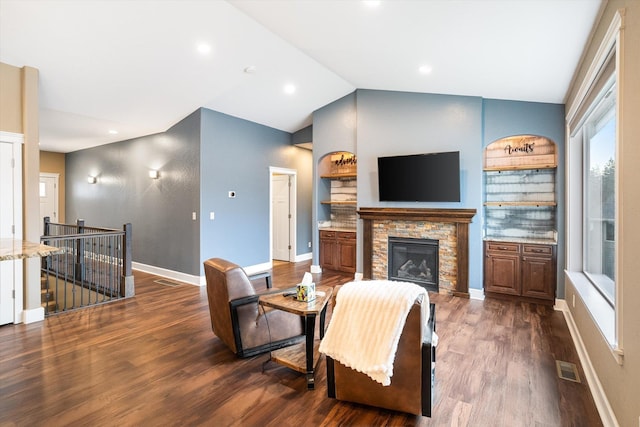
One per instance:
[(94, 266)]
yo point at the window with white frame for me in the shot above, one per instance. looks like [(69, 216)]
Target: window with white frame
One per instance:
[(599, 211), (592, 200)]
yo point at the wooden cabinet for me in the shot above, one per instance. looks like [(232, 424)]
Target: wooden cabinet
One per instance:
[(502, 268), (521, 270), (338, 250), (539, 271)]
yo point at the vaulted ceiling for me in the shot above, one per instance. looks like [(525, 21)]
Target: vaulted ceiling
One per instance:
[(137, 67)]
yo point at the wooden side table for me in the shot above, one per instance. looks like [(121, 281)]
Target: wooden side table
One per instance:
[(301, 357)]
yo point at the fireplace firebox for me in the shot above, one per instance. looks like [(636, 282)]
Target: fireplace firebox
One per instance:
[(414, 260)]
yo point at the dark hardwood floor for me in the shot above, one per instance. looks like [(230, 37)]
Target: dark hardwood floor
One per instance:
[(152, 360)]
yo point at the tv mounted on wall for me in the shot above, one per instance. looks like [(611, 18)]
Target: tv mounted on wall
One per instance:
[(431, 177)]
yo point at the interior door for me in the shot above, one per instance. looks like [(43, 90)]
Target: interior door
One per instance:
[(6, 231), (281, 217), (48, 198)]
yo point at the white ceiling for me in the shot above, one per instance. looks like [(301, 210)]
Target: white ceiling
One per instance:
[(133, 66)]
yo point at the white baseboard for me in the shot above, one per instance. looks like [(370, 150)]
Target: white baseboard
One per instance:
[(476, 294), (33, 315), (607, 415), (257, 268), (169, 274), (561, 305), (190, 278), (304, 257)]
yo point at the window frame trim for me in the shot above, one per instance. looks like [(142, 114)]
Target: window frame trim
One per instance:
[(612, 40)]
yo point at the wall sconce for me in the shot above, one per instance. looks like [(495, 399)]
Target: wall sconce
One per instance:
[(153, 174), (92, 179)]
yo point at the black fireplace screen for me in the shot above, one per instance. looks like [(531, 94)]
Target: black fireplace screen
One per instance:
[(414, 260)]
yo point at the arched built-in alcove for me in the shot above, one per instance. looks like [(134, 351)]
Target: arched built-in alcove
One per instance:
[(520, 188), (520, 218), (337, 219)]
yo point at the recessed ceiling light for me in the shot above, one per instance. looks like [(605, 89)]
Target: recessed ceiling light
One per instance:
[(371, 3), (204, 48), (289, 89), (250, 69), (113, 132), (425, 69)]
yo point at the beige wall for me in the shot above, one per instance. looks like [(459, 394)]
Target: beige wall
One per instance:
[(621, 383), (19, 114), (10, 98), (55, 163)]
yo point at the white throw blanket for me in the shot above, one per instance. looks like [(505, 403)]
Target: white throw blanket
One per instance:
[(366, 325)]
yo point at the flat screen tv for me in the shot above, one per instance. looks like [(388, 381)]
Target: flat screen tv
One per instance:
[(431, 177)]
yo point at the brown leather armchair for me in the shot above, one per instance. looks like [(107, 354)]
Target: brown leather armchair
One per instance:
[(411, 388), (237, 319)]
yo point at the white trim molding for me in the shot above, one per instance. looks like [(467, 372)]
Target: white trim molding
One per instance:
[(190, 278), (477, 294), (11, 137), (33, 315), (169, 274), (304, 257), (607, 415)]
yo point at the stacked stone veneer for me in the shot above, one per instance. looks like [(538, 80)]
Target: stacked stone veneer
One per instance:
[(444, 233)]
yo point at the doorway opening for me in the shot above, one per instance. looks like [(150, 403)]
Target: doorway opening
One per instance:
[(48, 198), (282, 214)]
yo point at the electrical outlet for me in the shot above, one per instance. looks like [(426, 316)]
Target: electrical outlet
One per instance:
[(309, 244), (194, 216), (212, 216)]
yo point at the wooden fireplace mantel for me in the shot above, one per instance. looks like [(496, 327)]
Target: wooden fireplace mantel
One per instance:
[(460, 217)]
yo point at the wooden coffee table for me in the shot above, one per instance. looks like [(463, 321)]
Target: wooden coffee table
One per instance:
[(301, 357)]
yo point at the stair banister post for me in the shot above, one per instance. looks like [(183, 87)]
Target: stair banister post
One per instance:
[(127, 288)]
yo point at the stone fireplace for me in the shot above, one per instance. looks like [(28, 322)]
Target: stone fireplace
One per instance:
[(450, 227), (413, 260)]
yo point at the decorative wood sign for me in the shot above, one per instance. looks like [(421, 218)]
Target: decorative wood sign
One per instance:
[(520, 152), (343, 163)]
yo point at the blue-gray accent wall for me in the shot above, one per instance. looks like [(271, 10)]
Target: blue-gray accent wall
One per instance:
[(397, 123), (235, 156), (334, 129), (507, 118), (164, 235), (199, 160)]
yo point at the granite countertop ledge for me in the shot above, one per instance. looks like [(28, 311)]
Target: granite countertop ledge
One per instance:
[(11, 249), (521, 240)]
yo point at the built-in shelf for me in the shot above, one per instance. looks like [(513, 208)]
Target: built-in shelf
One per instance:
[(519, 167), (533, 203), (339, 175), (520, 188)]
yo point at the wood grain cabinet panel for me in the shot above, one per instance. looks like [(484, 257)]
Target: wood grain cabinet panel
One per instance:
[(520, 270), (338, 250), (502, 272)]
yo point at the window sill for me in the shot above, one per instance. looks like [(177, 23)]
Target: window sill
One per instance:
[(602, 314)]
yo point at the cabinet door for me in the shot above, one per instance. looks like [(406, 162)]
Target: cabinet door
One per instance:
[(328, 250), (538, 277), (347, 255), (502, 273)]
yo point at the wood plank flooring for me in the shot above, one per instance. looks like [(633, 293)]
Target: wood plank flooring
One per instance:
[(152, 360)]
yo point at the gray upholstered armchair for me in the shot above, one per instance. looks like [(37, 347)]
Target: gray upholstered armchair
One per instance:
[(237, 319)]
